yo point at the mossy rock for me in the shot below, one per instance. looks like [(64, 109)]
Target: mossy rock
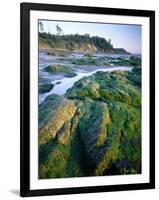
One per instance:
[(89, 60), (43, 88), (120, 62), (95, 130), (135, 61), (54, 112), (57, 68), (88, 55), (61, 69), (58, 82), (60, 54), (132, 61), (107, 86), (57, 139), (70, 74)]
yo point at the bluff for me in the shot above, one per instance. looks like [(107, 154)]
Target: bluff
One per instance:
[(77, 43)]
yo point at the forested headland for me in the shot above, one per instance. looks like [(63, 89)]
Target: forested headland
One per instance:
[(78, 43)]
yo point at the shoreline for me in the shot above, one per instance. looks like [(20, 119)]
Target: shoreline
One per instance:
[(81, 52), (61, 89)]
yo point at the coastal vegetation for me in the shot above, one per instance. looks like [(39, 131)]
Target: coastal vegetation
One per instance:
[(76, 42)]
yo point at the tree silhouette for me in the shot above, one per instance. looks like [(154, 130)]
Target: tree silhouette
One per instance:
[(41, 26), (58, 30), (109, 40)]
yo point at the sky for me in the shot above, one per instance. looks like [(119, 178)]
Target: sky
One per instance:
[(121, 35)]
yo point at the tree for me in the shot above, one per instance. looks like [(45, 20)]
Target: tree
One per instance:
[(58, 30), (87, 34), (41, 26), (109, 41)]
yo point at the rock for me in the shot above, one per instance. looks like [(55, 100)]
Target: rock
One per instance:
[(88, 55), (54, 113), (89, 59), (57, 53), (61, 69), (56, 68), (43, 88), (57, 126), (94, 130), (135, 76), (58, 82), (70, 74), (107, 86), (135, 61), (51, 53)]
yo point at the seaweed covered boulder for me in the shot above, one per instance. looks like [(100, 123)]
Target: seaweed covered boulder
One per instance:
[(133, 61), (60, 69), (90, 59), (43, 88), (115, 86), (56, 127), (54, 114), (94, 130)]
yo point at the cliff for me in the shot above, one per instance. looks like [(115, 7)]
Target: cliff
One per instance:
[(77, 43)]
